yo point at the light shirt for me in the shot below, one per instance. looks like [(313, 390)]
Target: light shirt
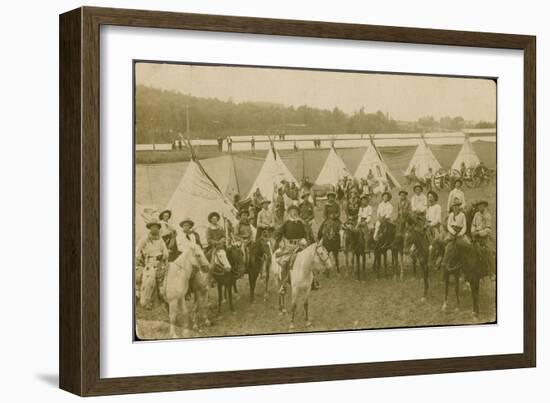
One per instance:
[(265, 218), (185, 241), (458, 220), (366, 213), (385, 209), (433, 214), (165, 228), (149, 247), (419, 203), (456, 194), (481, 224)]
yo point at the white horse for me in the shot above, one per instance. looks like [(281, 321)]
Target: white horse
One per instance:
[(187, 273), (314, 258), (146, 275)]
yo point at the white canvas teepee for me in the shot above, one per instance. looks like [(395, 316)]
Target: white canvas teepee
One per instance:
[(372, 161), (195, 197), (422, 160), (333, 170), (466, 155), (271, 174)]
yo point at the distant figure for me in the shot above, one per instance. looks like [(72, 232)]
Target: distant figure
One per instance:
[(229, 144), (295, 146), (173, 146), (253, 144), (180, 145), (220, 143)]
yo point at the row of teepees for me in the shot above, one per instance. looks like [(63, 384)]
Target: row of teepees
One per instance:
[(197, 192)]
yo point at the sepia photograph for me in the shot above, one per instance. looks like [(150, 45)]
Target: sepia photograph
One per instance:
[(272, 200)]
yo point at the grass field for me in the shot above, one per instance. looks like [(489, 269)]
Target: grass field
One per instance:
[(343, 302)]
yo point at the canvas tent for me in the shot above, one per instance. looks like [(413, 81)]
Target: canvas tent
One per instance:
[(422, 160), (197, 195), (333, 170), (466, 155), (273, 171), (372, 161)]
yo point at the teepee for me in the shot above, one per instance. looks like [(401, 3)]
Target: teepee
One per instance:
[(466, 155), (422, 160), (372, 162), (271, 174), (333, 170), (196, 196)]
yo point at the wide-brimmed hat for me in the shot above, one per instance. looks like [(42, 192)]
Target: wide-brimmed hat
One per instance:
[(387, 193), (243, 211), (151, 223), (418, 185), (213, 214), (306, 194), (435, 195), (365, 196), (187, 220), (331, 193), (456, 202), (480, 202), (265, 201), (403, 191), (293, 207), (458, 180), (164, 212)]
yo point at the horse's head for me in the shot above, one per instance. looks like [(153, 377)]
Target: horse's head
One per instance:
[(198, 259), (220, 260), (321, 256), (235, 256), (148, 281)]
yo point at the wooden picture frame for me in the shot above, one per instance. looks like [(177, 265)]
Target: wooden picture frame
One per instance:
[(79, 346)]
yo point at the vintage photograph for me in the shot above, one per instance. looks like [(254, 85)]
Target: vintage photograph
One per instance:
[(273, 200)]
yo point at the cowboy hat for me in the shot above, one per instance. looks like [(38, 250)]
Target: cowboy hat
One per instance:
[(213, 214), (418, 185), (306, 194), (243, 211), (365, 196), (331, 193), (151, 223), (435, 195), (387, 193), (264, 201), (458, 180), (187, 220), (164, 212), (456, 202), (403, 191), (479, 202)]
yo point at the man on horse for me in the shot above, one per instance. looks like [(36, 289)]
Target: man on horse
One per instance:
[(279, 206), (433, 216), (152, 247), (215, 234), (306, 213), (365, 212), (419, 202), (481, 231), (292, 239), (456, 223), (403, 208), (245, 234), (456, 193), (265, 218), (331, 208), (384, 213), (187, 237)]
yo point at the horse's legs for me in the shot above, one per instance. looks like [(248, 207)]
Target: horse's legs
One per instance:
[(414, 265), (446, 280), (385, 257), (252, 277), (475, 297), (425, 274), (457, 290), (336, 260), (293, 313), (229, 286), (306, 311), (221, 291), (173, 314), (266, 266)]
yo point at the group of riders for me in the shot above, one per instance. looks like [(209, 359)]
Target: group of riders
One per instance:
[(287, 222)]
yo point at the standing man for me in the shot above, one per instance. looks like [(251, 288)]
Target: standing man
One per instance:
[(331, 208), (253, 143), (384, 212), (419, 202), (265, 218), (455, 194), (433, 216)]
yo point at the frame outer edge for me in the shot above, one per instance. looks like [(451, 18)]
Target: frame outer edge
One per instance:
[(70, 279)]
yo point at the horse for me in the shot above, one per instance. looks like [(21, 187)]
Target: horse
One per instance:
[(307, 262), (330, 233), (258, 254), (186, 273), (358, 241), (386, 237), (222, 272), (415, 235), (461, 255)]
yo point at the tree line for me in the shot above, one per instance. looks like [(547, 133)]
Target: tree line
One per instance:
[(161, 118)]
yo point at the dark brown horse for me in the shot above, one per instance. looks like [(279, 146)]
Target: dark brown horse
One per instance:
[(415, 236), (226, 277), (258, 253), (386, 242), (463, 256), (361, 242)]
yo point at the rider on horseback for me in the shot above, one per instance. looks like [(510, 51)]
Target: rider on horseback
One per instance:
[(292, 239), (168, 233), (245, 234), (433, 217), (456, 193), (384, 212)]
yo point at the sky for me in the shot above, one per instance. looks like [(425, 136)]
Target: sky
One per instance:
[(404, 97)]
